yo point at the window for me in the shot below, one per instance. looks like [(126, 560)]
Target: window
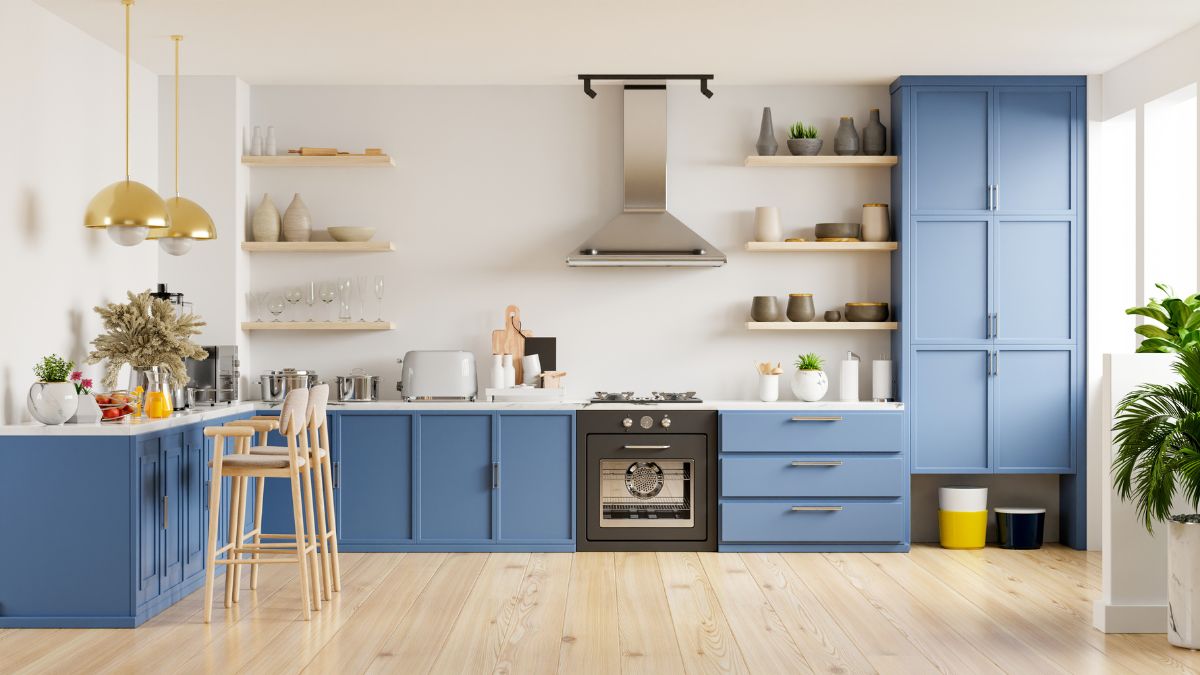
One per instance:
[(1169, 197)]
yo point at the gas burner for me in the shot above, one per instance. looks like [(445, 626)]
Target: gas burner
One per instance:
[(654, 397), (613, 397), (675, 396)]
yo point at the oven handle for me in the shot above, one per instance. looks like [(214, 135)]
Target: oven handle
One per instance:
[(646, 447), (817, 419), (816, 508)]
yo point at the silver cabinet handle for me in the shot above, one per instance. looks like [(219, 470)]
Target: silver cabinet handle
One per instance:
[(166, 511), (987, 363), (646, 447), (996, 325), (988, 192), (816, 419), (495, 475), (816, 508), (836, 462), (996, 197), (987, 327), (995, 363)]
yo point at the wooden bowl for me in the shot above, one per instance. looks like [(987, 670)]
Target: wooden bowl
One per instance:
[(345, 233)]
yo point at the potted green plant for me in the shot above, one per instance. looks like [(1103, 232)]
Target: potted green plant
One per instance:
[(52, 399), (809, 382), (1157, 435), (1180, 319), (802, 140)]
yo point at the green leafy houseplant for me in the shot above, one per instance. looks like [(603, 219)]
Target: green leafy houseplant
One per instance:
[(798, 130), (1157, 434), (53, 368), (809, 361), (1180, 318)]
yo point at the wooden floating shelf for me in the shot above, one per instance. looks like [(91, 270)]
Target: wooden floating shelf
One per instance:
[(823, 160), (318, 160), (822, 325), (815, 246), (318, 325), (318, 246)]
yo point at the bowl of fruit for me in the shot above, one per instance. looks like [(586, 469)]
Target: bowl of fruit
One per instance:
[(115, 406)]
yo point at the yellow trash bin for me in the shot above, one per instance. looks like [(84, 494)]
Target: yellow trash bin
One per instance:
[(962, 516)]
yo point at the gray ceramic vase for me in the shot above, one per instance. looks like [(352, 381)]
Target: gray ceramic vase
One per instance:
[(764, 308), (833, 316), (805, 147), (800, 307), (874, 137), (845, 142), (767, 145)]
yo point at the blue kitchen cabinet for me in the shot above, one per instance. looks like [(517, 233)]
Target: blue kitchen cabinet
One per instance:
[(1035, 417), (374, 476), (149, 517), (457, 477), (536, 472), (277, 492), (1035, 149), (194, 505), (948, 410), (951, 125), (950, 279), (1035, 278), (173, 491)]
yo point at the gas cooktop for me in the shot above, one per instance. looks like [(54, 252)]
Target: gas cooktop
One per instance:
[(654, 397)]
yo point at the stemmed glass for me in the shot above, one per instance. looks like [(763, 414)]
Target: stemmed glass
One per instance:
[(276, 306), (310, 298), (294, 295), (379, 295), (328, 294), (360, 292), (343, 291)]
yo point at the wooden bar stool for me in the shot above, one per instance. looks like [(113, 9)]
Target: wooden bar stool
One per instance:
[(243, 465)]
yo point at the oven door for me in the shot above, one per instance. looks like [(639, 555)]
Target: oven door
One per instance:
[(647, 487)]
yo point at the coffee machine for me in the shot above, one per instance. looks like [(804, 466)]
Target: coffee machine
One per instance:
[(179, 395), (214, 380)]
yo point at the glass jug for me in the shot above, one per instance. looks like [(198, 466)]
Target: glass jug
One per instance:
[(158, 396)]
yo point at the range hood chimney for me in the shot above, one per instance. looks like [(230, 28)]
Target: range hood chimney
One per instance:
[(645, 234)]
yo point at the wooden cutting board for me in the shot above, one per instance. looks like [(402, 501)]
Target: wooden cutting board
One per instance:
[(511, 338)]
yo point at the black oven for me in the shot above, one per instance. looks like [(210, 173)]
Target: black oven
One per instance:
[(646, 480)]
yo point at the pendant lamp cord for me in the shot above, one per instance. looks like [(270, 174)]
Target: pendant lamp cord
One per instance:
[(177, 39), (127, 4)]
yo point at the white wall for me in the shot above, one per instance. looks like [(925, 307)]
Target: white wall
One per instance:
[(494, 185), (62, 109)]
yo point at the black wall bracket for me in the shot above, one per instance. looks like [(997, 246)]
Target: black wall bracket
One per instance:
[(588, 78)]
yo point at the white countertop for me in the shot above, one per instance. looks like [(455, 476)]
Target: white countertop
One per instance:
[(132, 426)]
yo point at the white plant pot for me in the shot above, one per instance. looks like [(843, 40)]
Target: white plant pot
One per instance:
[(88, 411), (768, 388), (810, 385), (1183, 584), (52, 402)]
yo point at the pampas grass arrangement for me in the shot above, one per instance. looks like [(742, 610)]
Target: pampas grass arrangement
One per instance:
[(145, 332)]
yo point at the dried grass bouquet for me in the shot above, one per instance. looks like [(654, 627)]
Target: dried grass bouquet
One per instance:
[(146, 332)]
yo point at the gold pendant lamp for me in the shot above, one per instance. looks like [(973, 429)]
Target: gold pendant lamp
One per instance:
[(189, 221), (127, 209)]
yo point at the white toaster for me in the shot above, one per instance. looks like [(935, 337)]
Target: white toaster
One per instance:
[(438, 375)]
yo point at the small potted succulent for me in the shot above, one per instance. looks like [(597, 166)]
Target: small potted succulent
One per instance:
[(809, 382), (52, 399), (88, 411), (802, 140)]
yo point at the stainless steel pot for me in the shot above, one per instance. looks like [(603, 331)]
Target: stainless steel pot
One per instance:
[(277, 383), (357, 387)]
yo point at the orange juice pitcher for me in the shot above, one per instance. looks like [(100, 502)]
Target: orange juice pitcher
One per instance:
[(158, 398)]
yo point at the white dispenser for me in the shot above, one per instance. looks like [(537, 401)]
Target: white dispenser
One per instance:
[(849, 384), (881, 380)]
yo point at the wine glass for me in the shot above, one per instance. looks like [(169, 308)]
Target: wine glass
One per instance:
[(310, 298), (379, 295), (343, 291), (293, 296), (360, 293), (252, 302), (328, 293), (276, 306)]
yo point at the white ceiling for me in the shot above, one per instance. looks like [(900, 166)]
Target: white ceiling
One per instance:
[(550, 41)]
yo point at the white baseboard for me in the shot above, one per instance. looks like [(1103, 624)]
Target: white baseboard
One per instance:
[(1129, 618)]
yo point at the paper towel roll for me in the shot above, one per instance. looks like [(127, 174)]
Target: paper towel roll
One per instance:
[(881, 380), (848, 391)]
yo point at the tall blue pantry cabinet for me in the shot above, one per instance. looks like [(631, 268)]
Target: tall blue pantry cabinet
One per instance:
[(988, 198)]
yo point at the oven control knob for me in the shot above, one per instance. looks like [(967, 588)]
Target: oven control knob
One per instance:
[(627, 422), (646, 422), (666, 422)]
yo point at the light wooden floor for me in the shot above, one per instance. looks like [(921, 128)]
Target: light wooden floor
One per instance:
[(932, 610)]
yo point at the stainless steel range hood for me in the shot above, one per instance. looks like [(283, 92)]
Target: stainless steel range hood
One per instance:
[(645, 234)]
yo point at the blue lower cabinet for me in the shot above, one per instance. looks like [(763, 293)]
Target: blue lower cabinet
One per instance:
[(829, 521), (457, 477), (374, 479), (949, 410), (536, 473), (810, 431), (807, 475), (1034, 428), (149, 475)]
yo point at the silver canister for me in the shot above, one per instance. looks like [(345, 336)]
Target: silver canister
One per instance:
[(357, 387), (277, 383)]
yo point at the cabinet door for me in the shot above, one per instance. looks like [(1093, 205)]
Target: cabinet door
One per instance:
[(195, 500), (172, 504), (277, 493), (1035, 149), (456, 477), (149, 550), (949, 145), (1033, 411), (1034, 265), (536, 477), (949, 410), (950, 280), (376, 479)]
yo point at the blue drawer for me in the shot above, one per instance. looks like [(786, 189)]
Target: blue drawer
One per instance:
[(810, 431), (777, 521), (806, 476)]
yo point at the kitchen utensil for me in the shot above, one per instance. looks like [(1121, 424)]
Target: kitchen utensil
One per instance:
[(357, 387), (545, 348), (848, 389), (876, 224), (766, 224), (838, 231), (833, 315), (275, 384), (511, 338), (348, 233), (306, 151), (866, 311), (800, 307), (379, 296), (764, 308), (438, 375), (531, 367), (881, 380), (768, 387)]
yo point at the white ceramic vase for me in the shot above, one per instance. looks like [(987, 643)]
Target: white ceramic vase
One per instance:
[(766, 224), (52, 402), (1183, 584), (810, 385), (297, 225), (88, 411), (768, 388), (497, 371), (510, 371), (269, 147), (265, 225)]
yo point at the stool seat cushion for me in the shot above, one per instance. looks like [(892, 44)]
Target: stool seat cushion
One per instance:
[(279, 450), (254, 461)]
